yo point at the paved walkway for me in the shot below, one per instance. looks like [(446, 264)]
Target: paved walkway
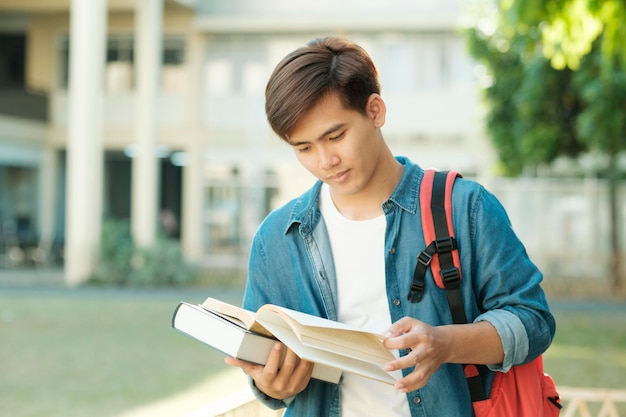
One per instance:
[(31, 277), (201, 400)]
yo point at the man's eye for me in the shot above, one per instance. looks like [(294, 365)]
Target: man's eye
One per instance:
[(303, 149), (339, 136)]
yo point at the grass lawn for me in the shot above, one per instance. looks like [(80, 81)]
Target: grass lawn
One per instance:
[(589, 349), (95, 352), (100, 352)]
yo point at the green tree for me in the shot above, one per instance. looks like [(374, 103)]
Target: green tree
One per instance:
[(559, 88), (570, 28), (532, 107)]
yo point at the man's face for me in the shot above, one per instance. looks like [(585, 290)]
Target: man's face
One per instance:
[(339, 146)]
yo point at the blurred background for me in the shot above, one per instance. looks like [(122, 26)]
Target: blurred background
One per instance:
[(134, 149), (163, 126)]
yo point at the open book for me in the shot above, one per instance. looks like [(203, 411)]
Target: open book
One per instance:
[(333, 347)]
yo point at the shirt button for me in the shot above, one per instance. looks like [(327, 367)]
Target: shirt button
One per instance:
[(396, 302), (417, 400), (392, 250)]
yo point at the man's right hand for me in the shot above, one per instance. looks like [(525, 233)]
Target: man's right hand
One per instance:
[(278, 380)]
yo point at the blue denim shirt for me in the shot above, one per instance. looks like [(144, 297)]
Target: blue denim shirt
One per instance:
[(291, 265)]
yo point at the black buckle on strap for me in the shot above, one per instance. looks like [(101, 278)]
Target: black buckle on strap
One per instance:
[(451, 277), (416, 292), (556, 401), (445, 244), (424, 258)]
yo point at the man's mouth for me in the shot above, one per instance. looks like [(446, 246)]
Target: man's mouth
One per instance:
[(338, 177)]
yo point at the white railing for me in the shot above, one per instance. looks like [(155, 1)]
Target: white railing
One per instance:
[(582, 402), (577, 402)]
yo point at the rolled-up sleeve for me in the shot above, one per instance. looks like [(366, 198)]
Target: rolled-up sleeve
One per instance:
[(512, 335), (268, 401)]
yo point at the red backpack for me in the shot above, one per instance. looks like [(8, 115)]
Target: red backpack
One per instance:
[(523, 391)]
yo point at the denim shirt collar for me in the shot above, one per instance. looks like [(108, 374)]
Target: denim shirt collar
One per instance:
[(306, 211)]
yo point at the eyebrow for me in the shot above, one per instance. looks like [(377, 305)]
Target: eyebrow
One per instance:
[(328, 131)]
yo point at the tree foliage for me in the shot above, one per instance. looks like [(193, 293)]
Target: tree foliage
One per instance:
[(569, 29), (532, 106), (558, 88), (602, 124), (582, 90)]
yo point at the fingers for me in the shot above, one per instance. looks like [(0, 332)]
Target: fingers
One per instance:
[(283, 375), (247, 367), (402, 326), (413, 357), (423, 368), (406, 333), (294, 375), (420, 349), (273, 361)]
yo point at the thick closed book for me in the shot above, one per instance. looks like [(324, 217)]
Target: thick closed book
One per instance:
[(232, 339), (222, 334), (334, 347)]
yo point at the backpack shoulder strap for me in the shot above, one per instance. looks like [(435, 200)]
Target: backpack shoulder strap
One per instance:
[(436, 207), (442, 255)]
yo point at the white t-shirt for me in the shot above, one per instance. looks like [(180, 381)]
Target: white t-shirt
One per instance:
[(359, 253)]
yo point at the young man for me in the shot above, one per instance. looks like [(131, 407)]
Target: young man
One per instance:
[(346, 250)]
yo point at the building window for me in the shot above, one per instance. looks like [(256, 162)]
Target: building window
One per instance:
[(423, 62), (12, 58), (120, 57), (223, 203), (233, 207), (18, 214), (236, 65)]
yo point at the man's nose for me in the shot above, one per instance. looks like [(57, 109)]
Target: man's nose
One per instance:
[(328, 158)]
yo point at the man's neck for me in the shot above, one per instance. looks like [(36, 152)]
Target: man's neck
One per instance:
[(367, 204)]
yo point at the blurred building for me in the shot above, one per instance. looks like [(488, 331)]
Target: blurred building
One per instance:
[(218, 168)]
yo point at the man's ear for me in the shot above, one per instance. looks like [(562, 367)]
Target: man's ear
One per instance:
[(376, 110)]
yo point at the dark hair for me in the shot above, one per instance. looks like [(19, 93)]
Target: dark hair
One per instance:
[(323, 66)]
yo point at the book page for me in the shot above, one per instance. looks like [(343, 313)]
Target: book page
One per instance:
[(348, 343), (243, 317), (306, 319), (367, 369), (329, 335)]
